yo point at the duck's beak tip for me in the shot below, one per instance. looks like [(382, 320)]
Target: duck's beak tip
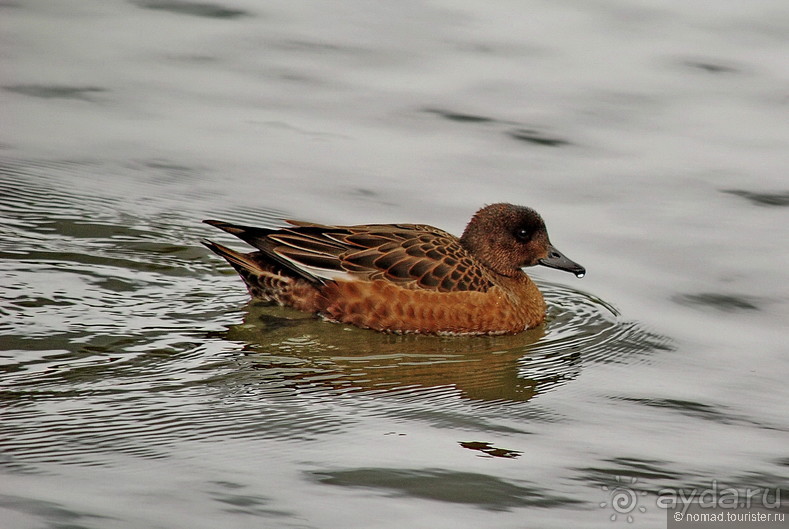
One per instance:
[(556, 259)]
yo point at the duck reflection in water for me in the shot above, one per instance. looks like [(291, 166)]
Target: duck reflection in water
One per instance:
[(286, 348)]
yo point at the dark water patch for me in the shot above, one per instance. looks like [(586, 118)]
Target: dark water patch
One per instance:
[(367, 193), (321, 47), (235, 501), (697, 410), (57, 514), (457, 417), (83, 228), (721, 302), (710, 67), (169, 166), (197, 9), (769, 485), (538, 138), (686, 407), (33, 301), (371, 196), (481, 490), (628, 471), (489, 450), (193, 58), (460, 117), (10, 465), (167, 171), (778, 199), (56, 91)]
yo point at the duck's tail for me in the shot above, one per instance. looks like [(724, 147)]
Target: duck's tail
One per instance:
[(268, 256), (253, 271), (243, 263), (267, 281)]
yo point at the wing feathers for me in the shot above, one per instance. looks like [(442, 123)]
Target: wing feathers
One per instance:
[(415, 256)]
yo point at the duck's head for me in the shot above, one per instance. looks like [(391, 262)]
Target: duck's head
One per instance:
[(507, 238)]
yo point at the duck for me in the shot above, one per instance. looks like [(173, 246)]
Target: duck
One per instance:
[(404, 278)]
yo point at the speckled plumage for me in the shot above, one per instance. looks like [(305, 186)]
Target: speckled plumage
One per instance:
[(404, 277)]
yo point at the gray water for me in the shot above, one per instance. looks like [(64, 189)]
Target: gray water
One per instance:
[(141, 388)]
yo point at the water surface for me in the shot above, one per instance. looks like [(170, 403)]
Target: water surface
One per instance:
[(140, 386)]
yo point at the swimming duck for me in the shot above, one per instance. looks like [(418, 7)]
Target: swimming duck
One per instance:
[(404, 277)]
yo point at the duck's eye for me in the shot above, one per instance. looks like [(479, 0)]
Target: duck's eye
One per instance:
[(522, 234)]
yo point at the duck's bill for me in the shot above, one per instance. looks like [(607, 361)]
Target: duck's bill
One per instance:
[(556, 259)]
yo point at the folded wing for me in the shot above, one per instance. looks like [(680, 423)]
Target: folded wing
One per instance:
[(412, 255)]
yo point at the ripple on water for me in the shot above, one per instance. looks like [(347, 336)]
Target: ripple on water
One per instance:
[(100, 311), (121, 335), (439, 379)]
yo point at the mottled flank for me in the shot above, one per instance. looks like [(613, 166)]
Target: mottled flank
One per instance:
[(761, 199), (198, 9), (404, 277)]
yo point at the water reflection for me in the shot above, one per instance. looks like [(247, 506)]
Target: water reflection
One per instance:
[(308, 354), (481, 490), (490, 451)]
